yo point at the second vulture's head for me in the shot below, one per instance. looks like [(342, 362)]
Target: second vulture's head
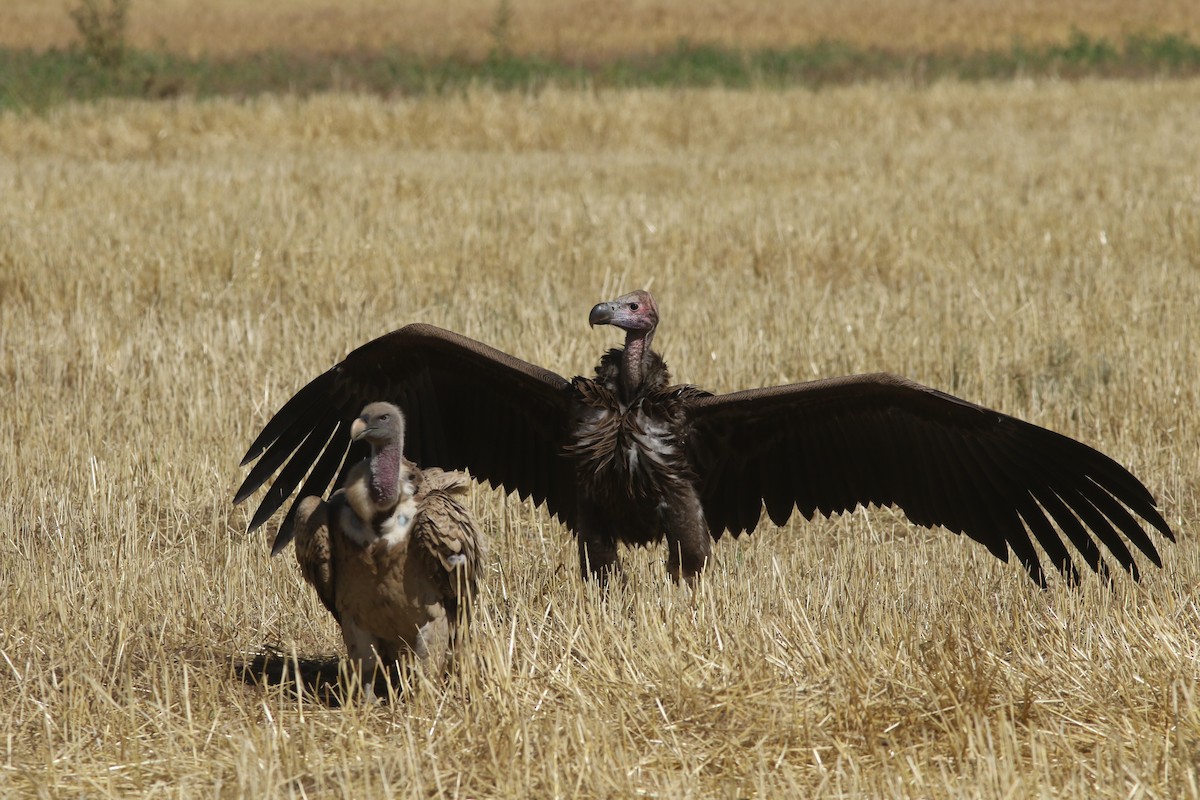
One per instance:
[(378, 424), (629, 312)]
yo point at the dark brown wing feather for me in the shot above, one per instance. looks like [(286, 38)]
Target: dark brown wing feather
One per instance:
[(833, 445), (314, 548), (444, 530), (470, 406)]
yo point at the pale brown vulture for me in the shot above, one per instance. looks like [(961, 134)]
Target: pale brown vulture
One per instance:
[(393, 555), (627, 457)]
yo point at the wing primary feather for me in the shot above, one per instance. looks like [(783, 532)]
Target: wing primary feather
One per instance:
[(1076, 457), (424, 407), (317, 482), (718, 499), (777, 489), (276, 454), (1043, 481), (1019, 477), (1035, 519), (290, 477), (1078, 535), (957, 502), (539, 473), (315, 393), (523, 462), (878, 459), (919, 502), (736, 495), (1116, 513), (1095, 522), (847, 476), (805, 492), (1101, 497), (967, 503), (819, 478), (357, 452), (1104, 469)]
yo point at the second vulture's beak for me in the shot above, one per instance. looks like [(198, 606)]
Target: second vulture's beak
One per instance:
[(358, 428), (601, 314)]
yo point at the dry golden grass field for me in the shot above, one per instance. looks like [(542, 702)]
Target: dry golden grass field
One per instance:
[(590, 29), (171, 272)]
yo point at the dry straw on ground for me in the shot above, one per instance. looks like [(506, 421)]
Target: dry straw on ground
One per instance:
[(169, 273), (591, 29)]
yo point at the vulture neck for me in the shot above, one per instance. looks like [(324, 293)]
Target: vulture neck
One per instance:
[(385, 476), (634, 362)]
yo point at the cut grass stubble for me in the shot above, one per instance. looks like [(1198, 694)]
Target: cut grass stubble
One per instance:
[(171, 272)]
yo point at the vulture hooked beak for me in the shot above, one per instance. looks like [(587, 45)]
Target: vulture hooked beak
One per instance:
[(601, 314), (358, 429)]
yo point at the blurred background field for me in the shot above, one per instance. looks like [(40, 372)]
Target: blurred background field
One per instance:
[(172, 270), (590, 29), (90, 49)]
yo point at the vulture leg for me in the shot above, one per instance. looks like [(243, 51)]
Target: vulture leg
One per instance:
[(432, 646), (362, 647), (688, 541), (597, 547)]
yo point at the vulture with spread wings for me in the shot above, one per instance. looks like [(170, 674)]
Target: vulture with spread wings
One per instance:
[(626, 456)]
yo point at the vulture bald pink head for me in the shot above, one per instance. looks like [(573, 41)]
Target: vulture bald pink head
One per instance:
[(637, 315), (631, 312)]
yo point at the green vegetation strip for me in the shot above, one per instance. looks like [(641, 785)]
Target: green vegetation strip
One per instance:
[(39, 80)]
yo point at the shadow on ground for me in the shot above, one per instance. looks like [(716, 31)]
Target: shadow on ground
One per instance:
[(323, 679), (319, 679)]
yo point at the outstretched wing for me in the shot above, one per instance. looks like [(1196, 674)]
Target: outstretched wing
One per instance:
[(832, 445), (469, 406)]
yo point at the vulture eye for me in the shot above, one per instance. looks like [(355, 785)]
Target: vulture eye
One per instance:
[(384, 417), (633, 306)]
